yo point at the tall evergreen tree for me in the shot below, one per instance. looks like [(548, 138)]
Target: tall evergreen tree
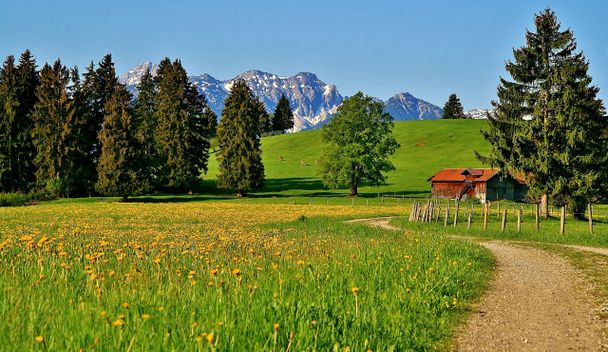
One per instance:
[(283, 116), (238, 134), (360, 142), (24, 151), (52, 111), (144, 125), (80, 171), (105, 82), (118, 169), (549, 124), (453, 108), (182, 132), (9, 107)]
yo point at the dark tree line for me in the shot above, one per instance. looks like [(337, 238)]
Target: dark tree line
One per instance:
[(73, 135)]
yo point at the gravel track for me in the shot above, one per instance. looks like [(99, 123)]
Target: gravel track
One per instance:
[(536, 302)]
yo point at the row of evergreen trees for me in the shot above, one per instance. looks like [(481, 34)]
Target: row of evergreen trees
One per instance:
[(77, 137)]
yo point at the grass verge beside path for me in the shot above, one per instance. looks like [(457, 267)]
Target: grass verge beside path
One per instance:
[(577, 231)]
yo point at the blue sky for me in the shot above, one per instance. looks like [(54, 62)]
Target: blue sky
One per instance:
[(428, 48)]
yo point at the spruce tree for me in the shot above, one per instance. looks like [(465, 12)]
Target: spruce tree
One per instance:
[(9, 108), (105, 82), (79, 170), (283, 116), (549, 124), (238, 134), (24, 151), (118, 169), (52, 111), (144, 125), (359, 143), (264, 119), (453, 108), (183, 127)]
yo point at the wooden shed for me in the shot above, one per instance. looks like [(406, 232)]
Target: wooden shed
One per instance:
[(484, 184)]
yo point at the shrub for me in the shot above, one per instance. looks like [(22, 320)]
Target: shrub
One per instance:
[(13, 199)]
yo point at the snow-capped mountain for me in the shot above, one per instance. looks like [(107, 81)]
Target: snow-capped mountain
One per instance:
[(312, 100), (134, 75), (404, 106), (479, 113)]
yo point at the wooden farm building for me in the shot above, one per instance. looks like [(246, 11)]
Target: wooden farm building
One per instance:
[(484, 184)]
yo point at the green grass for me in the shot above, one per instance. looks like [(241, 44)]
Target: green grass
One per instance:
[(69, 268), (426, 147)]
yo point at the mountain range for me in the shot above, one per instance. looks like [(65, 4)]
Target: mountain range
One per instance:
[(312, 100)]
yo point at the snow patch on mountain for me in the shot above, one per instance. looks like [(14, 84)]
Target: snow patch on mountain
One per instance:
[(479, 114)]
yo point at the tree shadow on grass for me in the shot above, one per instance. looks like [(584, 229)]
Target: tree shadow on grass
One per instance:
[(207, 190)]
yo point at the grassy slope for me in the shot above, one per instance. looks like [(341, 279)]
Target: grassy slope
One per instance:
[(426, 147)]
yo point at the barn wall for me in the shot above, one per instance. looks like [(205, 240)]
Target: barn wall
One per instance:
[(450, 190), (505, 187)]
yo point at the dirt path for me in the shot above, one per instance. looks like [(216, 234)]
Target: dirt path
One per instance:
[(376, 222), (603, 251), (536, 302)]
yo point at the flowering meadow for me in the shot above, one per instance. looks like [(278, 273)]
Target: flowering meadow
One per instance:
[(227, 276)]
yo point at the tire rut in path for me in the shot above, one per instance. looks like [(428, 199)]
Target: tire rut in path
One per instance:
[(535, 302)]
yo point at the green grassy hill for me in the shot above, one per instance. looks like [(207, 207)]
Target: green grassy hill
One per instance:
[(426, 147)]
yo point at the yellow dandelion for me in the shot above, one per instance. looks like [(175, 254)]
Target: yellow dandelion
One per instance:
[(40, 339), (118, 323), (210, 337), (236, 272), (355, 290), (276, 327), (145, 316)]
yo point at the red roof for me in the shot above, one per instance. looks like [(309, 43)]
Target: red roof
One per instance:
[(460, 175)]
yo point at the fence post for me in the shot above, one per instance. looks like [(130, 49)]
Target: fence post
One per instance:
[(498, 209), (411, 210), (590, 219), (537, 216), (485, 216), (447, 216), (469, 221), (456, 213), (562, 221), (519, 212), (425, 211), (503, 225)]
